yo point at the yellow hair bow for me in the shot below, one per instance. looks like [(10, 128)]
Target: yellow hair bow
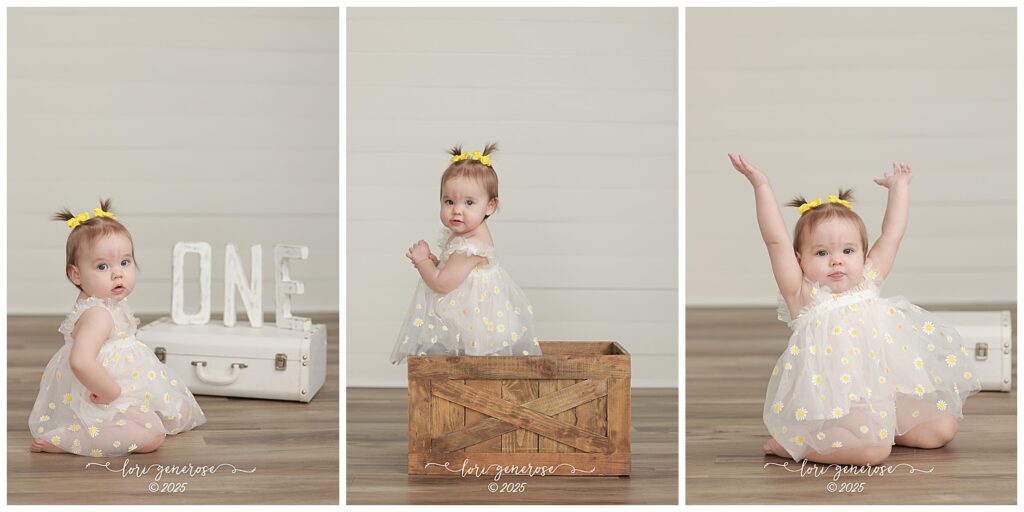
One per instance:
[(835, 199), (804, 208), (98, 212), (486, 160), (74, 222)]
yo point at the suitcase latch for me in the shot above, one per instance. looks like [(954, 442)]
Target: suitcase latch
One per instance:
[(280, 361), (981, 351), (161, 354)]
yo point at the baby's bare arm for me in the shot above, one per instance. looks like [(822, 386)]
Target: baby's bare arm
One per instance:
[(785, 267), (91, 331), (455, 271), (897, 214)]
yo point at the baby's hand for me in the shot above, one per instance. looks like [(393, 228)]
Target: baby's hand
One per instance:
[(97, 399), (900, 174), (753, 175), (419, 252)]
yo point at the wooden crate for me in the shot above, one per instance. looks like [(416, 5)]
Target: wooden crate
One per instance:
[(567, 411)]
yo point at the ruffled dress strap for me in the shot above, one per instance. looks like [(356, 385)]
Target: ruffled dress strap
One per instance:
[(83, 305), (815, 294), (442, 240), (871, 274), (469, 248), (783, 309), (133, 321)]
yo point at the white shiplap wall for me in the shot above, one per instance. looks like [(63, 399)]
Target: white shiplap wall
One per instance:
[(583, 103), (822, 98), (211, 124)]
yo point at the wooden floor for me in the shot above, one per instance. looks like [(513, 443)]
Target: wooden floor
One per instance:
[(293, 446), (377, 447), (729, 355)]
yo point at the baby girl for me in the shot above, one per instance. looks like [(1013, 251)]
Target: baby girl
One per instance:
[(861, 372), (465, 302), (104, 394)]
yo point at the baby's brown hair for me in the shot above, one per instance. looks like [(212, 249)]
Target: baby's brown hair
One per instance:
[(827, 210), (475, 169), (88, 231)]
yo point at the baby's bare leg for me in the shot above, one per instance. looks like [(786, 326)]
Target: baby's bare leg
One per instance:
[(129, 432), (42, 445), (858, 456), (773, 447), (142, 430), (934, 433), (151, 445), (852, 452)]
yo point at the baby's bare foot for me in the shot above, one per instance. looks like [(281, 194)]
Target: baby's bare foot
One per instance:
[(773, 447), (40, 445)]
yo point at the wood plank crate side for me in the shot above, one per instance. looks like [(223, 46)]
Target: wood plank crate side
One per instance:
[(445, 415), (520, 367), (563, 400), (619, 418), (519, 416), (518, 392), (548, 388), (458, 415), (419, 422), (473, 417)]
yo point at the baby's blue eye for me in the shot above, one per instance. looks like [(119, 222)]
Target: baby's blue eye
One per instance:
[(821, 253), (125, 262), (448, 202), (469, 203), (102, 266), (847, 251)]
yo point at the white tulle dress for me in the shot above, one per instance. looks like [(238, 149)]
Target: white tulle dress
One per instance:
[(486, 315), (153, 400), (861, 369)]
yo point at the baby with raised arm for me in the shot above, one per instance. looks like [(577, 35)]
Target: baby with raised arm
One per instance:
[(104, 393), (861, 372)]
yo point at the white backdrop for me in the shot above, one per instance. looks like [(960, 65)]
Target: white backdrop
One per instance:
[(209, 124), (820, 98), (583, 103)]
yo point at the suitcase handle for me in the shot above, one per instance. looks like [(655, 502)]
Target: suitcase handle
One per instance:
[(200, 368)]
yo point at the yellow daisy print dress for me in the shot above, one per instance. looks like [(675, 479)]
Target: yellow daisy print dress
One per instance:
[(488, 314), (860, 370), (153, 400)]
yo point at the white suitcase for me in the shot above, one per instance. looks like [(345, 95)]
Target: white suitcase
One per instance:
[(988, 337), (242, 361)]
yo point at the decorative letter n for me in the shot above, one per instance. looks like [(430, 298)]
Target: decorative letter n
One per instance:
[(251, 291)]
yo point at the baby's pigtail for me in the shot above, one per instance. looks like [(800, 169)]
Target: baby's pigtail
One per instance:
[(63, 215), (846, 194), (456, 150), (489, 148), (797, 201)]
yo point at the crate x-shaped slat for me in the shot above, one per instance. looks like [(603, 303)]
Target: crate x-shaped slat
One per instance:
[(535, 415), (572, 403)]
